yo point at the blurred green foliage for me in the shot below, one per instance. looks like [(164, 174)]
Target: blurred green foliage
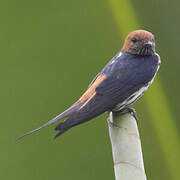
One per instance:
[(155, 97), (50, 51)]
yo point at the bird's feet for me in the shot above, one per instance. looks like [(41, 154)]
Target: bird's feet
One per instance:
[(128, 110)]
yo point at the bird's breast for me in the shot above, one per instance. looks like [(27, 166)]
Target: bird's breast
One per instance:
[(132, 98)]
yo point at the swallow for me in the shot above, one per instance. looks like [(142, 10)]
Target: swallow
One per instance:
[(117, 86)]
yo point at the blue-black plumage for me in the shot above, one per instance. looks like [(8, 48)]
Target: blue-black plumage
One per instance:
[(120, 83)]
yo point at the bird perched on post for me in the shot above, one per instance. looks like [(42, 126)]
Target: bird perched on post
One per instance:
[(122, 81)]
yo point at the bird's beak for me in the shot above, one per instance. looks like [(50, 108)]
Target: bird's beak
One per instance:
[(148, 43)]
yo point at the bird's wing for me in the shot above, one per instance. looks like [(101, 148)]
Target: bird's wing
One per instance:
[(74, 108), (112, 86), (105, 68), (68, 112)]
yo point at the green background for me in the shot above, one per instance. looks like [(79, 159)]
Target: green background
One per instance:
[(49, 52)]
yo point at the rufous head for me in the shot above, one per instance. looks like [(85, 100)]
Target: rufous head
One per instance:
[(140, 42)]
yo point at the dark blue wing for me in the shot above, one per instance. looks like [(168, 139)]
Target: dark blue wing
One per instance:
[(125, 75)]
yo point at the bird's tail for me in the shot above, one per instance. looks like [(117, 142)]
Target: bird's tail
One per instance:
[(62, 128), (64, 114), (67, 124)]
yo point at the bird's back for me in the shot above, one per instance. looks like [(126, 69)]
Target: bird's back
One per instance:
[(125, 76)]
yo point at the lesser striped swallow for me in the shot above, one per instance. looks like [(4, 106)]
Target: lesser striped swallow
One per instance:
[(120, 83)]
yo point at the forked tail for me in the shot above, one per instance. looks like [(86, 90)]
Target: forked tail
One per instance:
[(66, 113)]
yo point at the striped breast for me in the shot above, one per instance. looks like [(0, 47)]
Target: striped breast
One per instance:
[(131, 99)]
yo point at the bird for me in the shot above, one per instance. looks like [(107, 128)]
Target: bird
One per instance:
[(117, 86)]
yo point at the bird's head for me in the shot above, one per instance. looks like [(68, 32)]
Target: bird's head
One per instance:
[(140, 42)]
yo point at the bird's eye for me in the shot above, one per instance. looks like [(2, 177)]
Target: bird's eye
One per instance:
[(134, 40)]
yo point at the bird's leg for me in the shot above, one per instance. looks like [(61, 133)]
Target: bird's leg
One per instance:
[(128, 110)]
